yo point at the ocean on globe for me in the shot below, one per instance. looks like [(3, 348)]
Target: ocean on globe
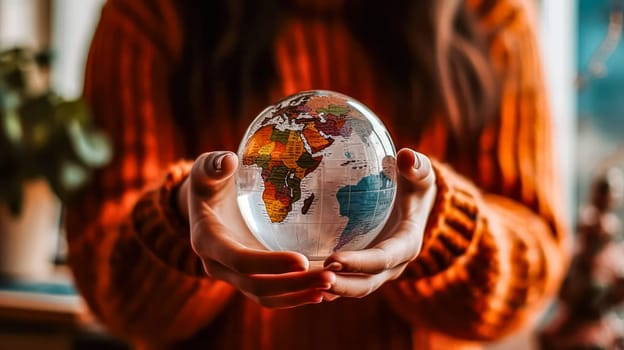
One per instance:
[(317, 175)]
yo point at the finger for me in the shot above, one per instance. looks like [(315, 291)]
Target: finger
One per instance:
[(212, 171), (361, 285), (327, 296), (256, 261), (215, 242), (415, 169), (290, 300), (271, 284), (403, 246)]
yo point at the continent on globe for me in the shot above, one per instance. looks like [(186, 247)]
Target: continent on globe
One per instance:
[(365, 204), (307, 203), (287, 156)]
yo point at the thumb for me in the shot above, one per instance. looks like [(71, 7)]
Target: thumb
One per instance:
[(212, 172), (416, 171)]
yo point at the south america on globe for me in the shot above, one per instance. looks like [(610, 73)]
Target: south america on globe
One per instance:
[(317, 175)]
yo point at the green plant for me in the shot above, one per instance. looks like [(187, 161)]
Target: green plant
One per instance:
[(41, 134)]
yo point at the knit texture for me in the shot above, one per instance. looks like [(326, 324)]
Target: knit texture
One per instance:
[(494, 248)]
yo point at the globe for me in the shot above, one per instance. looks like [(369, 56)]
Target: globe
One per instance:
[(317, 175)]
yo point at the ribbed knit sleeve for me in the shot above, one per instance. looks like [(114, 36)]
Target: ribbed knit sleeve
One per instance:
[(129, 250), (494, 248)]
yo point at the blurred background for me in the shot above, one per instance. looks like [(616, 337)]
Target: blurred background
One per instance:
[(40, 309)]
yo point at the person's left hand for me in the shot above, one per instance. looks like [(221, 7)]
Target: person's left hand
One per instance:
[(359, 273)]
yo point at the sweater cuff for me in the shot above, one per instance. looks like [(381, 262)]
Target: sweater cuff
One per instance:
[(452, 224), (161, 227)]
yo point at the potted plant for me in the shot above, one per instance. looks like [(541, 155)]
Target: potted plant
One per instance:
[(48, 148)]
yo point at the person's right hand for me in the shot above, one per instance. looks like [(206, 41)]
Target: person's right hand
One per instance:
[(228, 249)]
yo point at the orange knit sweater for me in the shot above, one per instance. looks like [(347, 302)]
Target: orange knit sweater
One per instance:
[(494, 249)]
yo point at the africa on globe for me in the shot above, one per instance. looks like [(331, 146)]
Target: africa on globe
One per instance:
[(317, 175)]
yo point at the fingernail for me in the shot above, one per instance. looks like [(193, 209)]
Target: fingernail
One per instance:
[(217, 162), (417, 161), (334, 266), (329, 296), (324, 286), (298, 267)]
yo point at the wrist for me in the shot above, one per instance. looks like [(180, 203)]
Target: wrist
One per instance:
[(162, 227), (174, 195)]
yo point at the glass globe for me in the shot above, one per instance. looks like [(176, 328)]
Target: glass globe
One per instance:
[(317, 175)]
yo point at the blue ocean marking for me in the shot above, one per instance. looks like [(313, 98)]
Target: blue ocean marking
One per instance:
[(365, 205)]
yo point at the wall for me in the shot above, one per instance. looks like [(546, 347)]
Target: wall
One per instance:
[(73, 22), (23, 23)]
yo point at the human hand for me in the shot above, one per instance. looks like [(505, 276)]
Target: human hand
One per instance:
[(359, 273), (229, 251)]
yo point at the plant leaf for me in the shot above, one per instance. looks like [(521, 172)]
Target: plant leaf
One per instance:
[(11, 126), (72, 176), (70, 111), (92, 148)]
